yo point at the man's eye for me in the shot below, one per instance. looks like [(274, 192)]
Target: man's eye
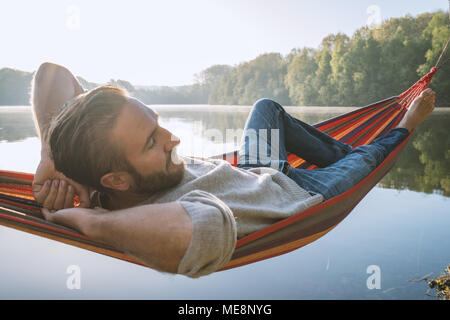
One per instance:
[(151, 143)]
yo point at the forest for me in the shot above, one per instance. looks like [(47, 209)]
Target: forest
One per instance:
[(372, 64)]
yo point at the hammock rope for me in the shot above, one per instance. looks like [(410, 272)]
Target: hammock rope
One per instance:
[(441, 55), (19, 210)]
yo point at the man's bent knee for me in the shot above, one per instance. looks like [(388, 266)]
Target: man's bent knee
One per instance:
[(265, 105)]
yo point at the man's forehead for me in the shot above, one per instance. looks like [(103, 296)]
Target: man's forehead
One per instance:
[(133, 124), (135, 103)]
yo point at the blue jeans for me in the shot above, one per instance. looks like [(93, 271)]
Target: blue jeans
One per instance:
[(270, 133)]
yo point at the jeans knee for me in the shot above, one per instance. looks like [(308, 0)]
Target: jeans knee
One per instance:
[(265, 105), (370, 155)]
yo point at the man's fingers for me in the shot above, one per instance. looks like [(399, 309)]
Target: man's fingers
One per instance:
[(67, 217), (48, 214), (45, 213), (40, 192), (68, 202), (50, 200), (60, 196)]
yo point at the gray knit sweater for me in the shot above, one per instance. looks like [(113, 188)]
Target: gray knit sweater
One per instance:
[(226, 203)]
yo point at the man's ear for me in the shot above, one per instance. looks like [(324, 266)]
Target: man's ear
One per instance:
[(120, 181)]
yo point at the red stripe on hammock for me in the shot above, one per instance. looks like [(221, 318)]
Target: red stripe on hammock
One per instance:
[(21, 205), (360, 121), (42, 226), (17, 175), (381, 121), (343, 120)]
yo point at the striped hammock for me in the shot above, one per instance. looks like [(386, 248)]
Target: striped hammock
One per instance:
[(19, 210)]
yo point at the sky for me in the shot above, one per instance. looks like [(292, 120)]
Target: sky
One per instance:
[(167, 42)]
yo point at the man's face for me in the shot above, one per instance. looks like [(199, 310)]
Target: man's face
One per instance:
[(149, 148)]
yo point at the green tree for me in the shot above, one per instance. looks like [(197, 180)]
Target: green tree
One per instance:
[(208, 80), (262, 77), (436, 35), (123, 84), (299, 77), (371, 65)]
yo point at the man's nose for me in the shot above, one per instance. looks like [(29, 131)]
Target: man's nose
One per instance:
[(173, 142)]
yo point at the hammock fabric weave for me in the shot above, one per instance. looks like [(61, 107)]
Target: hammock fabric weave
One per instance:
[(19, 210)]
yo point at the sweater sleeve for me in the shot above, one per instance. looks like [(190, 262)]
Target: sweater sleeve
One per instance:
[(213, 237)]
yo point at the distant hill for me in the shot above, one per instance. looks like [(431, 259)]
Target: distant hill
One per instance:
[(15, 87), (15, 90)]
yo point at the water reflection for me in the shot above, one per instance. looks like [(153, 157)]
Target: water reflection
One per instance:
[(423, 165), (16, 123)]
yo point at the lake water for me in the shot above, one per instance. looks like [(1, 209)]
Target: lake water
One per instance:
[(400, 227)]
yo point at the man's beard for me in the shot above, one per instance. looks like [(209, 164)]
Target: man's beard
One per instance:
[(160, 181)]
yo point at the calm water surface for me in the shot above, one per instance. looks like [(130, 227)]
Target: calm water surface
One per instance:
[(401, 226)]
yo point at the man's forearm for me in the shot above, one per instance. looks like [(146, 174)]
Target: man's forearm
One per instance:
[(156, 234), (52, 86)]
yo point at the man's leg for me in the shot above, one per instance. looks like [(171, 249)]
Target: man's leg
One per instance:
[(347, 172), (270, 132)]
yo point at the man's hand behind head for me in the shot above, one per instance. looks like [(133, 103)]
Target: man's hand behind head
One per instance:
[(54, 191)]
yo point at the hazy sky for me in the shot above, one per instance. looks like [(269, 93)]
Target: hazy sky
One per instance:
[(166, 42)]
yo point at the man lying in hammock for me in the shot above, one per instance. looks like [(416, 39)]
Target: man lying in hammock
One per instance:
[(178, 214)]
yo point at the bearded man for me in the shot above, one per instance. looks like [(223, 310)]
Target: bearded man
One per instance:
[(181, 214)]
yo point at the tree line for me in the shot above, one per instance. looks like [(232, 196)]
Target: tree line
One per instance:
[(372, 64)]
